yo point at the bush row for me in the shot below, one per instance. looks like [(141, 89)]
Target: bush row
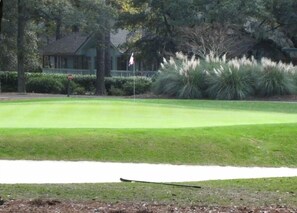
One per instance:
[(81, 84), (217, 78)]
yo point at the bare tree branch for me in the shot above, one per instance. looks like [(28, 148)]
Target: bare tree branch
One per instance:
[(215, 38)]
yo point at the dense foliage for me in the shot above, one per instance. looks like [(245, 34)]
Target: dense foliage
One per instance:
[(159, 28), (218, 78), (81, 84), (165, 25)]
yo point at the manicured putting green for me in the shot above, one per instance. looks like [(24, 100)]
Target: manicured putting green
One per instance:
[(112, 113)]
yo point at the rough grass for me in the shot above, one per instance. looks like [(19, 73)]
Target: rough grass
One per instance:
[(257, 192)]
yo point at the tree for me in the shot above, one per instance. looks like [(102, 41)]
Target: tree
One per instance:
[(8, 59), (107, 53), (1, 14), (100, 73), (164, 23), (96, 20), (156, 21), (214, 38), (60, 12), (8, 53), (283, 16), (25, 12), (21, 46)]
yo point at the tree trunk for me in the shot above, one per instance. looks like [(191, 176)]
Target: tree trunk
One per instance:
[(107, 54), (20, 47), (1, 14), (107, 45), (58, 29), (100, 47)]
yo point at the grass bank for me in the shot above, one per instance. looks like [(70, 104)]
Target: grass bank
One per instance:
[(252, 145)]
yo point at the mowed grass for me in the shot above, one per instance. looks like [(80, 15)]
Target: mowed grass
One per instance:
[(152, 131), (260, 145), (141, 114)]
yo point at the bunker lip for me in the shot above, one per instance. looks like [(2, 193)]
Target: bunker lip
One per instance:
[(65, 172)]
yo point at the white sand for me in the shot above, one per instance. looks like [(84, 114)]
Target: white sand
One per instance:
[(56, 172)]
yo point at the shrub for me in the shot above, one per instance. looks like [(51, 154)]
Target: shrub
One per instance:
[(86, 81), (218, 78), (294, 77), (116, 82), (229, 83), (116, 91), (81, 84), (44, 84), (167, 83), (142, 86), (233, 80), (78, 90), (179, 78), (211, 62), (9, 81), (193, 84), (275, 79)]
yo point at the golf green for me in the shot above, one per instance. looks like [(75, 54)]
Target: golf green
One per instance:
[(113, 113)]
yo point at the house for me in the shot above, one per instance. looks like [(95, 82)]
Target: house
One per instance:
[(76, 54)]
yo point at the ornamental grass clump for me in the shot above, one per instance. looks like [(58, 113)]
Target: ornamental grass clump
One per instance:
[(211, 62), (179, 77), (275, 79), (216, 78), (229, 82), (293, 75)]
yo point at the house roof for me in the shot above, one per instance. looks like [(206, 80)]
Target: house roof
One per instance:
[(119, 37), (70, 44), (67, 45)]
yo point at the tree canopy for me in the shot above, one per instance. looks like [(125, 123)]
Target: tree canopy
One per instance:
[(158, 27)]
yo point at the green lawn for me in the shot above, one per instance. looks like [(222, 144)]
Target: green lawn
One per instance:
[(237, 133), (141, 114), (149, 131), (257, 145)]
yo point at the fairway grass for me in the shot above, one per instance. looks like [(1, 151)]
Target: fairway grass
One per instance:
[(127, 114), (150, 131), (235, 133)]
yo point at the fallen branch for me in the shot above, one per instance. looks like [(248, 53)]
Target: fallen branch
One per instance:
[(161, 183)]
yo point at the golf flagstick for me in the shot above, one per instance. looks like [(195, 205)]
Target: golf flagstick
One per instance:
[(132, 62)]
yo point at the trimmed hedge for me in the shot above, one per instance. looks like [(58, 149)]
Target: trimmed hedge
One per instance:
[(44, 84), (9, 81), (81, 84)]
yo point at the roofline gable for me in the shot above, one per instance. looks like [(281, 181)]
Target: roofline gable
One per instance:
[(89, 38)]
